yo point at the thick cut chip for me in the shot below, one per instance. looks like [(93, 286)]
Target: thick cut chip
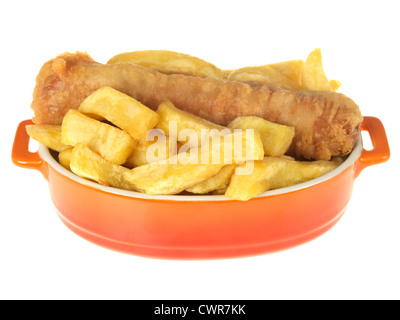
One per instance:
[(151, 151), (276, 138), (122, 110), (64, 158), (110, 142), (89, 165), (217, 182), (262, 74), (48, 135), (169, 178), (292, 69), (273, 173), (314, 77), (235, 148), (170, 62), (184, 126), (138, 156)]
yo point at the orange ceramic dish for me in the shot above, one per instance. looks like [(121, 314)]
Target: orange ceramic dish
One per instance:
[(201, 227)]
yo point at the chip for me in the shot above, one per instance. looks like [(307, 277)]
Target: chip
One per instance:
[(276, 138), (169, 62), (292, 69), (48, 135), (150, 151), (113, 144), (64, 158), (273, 173), (121, 110), (184, 126), (314, 77), (89, 165), (217, 182)]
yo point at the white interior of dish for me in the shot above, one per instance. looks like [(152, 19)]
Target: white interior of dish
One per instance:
[(46, 156)]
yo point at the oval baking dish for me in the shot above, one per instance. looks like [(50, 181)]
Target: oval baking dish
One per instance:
[(201, 227)]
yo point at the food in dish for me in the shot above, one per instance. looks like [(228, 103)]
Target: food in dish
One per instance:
[(326, 122), (165, 130)]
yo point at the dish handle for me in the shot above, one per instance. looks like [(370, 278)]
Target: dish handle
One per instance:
[(380, 151), (21, 156)]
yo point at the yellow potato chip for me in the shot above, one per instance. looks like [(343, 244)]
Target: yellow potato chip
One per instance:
[(216, 182), (273, 173), (122, 110), (64, 158), (276, 138), (292, 69), (112, 143), (89, 165), (170, 62), (47, 134), (314, 77)]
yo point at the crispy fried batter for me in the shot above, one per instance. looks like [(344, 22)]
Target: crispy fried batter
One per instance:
[(327, 123)]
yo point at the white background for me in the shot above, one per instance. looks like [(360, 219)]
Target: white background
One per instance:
[(358, 258)]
